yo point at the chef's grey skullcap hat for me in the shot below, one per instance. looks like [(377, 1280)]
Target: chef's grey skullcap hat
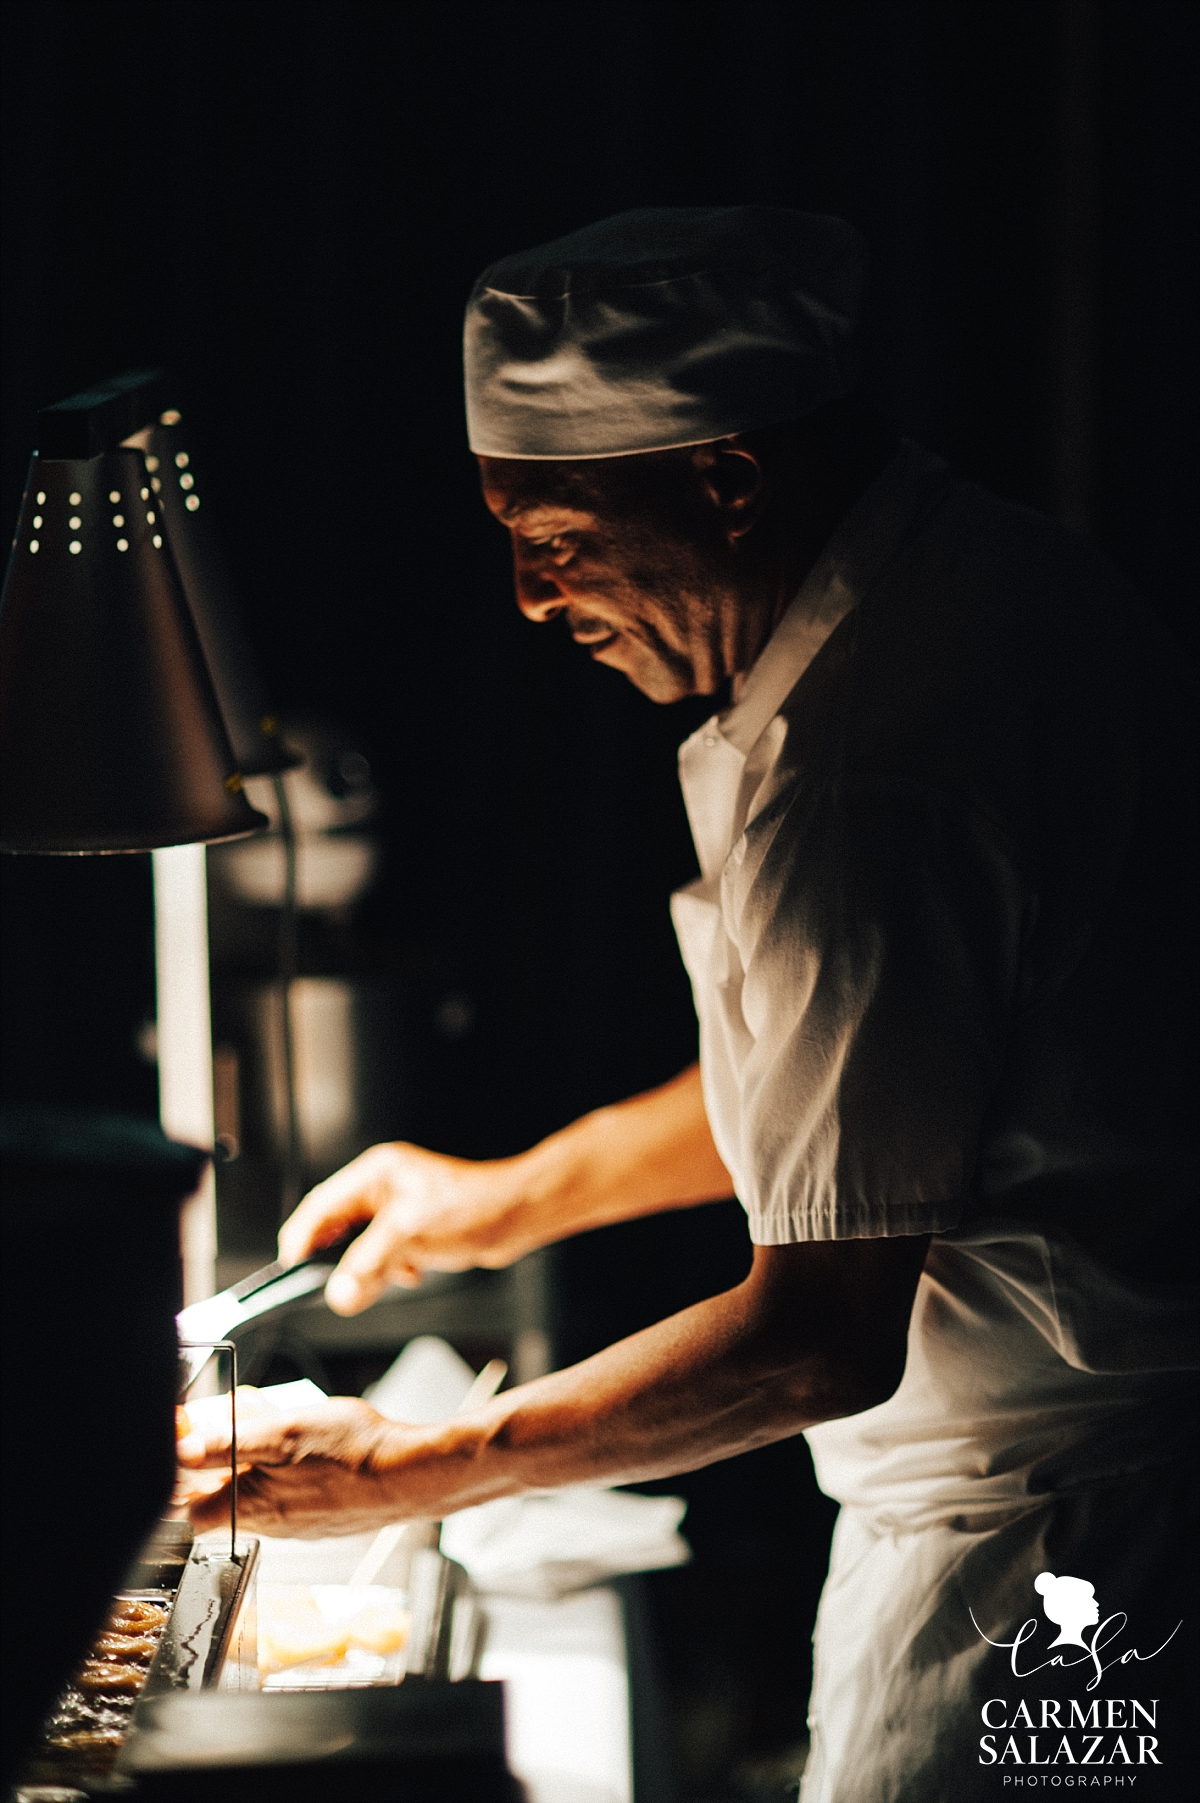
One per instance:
[(661, 327)]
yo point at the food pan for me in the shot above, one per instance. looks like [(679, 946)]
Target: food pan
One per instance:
[(184, 1620)]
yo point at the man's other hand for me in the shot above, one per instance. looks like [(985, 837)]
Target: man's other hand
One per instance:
[(427, 1212), (318, 1470)]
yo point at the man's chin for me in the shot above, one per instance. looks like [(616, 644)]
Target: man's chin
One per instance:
[(655, 679)]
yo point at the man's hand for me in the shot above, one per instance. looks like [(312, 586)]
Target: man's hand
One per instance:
[(320, 1470), (428, 1212)]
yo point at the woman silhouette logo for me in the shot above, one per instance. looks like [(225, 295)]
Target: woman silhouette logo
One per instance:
[(1070, 1603)]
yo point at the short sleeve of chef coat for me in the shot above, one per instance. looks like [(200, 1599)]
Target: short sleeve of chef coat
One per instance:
[(878, 928)]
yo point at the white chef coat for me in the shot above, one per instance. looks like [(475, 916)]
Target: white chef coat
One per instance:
[(936, 950)]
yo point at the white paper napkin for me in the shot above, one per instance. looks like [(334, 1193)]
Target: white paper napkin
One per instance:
[(547, 1545)]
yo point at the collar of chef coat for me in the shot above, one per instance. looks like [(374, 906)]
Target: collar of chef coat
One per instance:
[(716, 761)]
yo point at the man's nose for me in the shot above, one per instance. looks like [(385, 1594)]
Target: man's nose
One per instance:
[(538, 594)]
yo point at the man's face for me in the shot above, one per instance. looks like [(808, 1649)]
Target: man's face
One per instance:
[(632, 553)]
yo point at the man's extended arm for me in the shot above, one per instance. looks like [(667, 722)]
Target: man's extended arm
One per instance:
[(816, 1331), (428, 1212)]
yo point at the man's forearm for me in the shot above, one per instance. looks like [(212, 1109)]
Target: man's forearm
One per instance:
[(639, 1157), (638, 1410), (728, 1375)]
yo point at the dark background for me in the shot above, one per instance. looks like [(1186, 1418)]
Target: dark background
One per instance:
[(288, 205)]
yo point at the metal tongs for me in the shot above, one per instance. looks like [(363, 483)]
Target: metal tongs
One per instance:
[(220, 1317)]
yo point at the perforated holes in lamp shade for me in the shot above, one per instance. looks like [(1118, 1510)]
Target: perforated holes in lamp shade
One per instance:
[(213, 600), (111, 738)]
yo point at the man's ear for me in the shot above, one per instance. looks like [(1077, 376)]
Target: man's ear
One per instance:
[(734, 482)]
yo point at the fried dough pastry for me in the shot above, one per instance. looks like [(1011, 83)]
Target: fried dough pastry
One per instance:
[(105, 1675), (135, 1615), (133, 1649)]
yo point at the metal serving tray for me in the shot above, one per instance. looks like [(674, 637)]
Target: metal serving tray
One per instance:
[(209, 1642), (211, 1638)]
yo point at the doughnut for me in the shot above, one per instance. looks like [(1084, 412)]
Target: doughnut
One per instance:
[(135, 1614), (103, 1675), (133, 1649)]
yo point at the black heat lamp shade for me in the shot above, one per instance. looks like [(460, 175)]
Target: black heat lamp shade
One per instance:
[(170, 465), (86, 424), (111, 738)]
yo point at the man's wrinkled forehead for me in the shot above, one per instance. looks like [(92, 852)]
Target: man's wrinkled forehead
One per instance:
[(548, 496), (529, 494)]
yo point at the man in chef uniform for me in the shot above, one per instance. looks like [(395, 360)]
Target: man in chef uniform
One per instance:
[(937, 948)]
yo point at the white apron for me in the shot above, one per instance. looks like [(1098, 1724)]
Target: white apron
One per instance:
[(1042, 1395)]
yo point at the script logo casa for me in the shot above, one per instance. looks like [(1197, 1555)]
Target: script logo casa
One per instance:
[(1047, 1731)]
